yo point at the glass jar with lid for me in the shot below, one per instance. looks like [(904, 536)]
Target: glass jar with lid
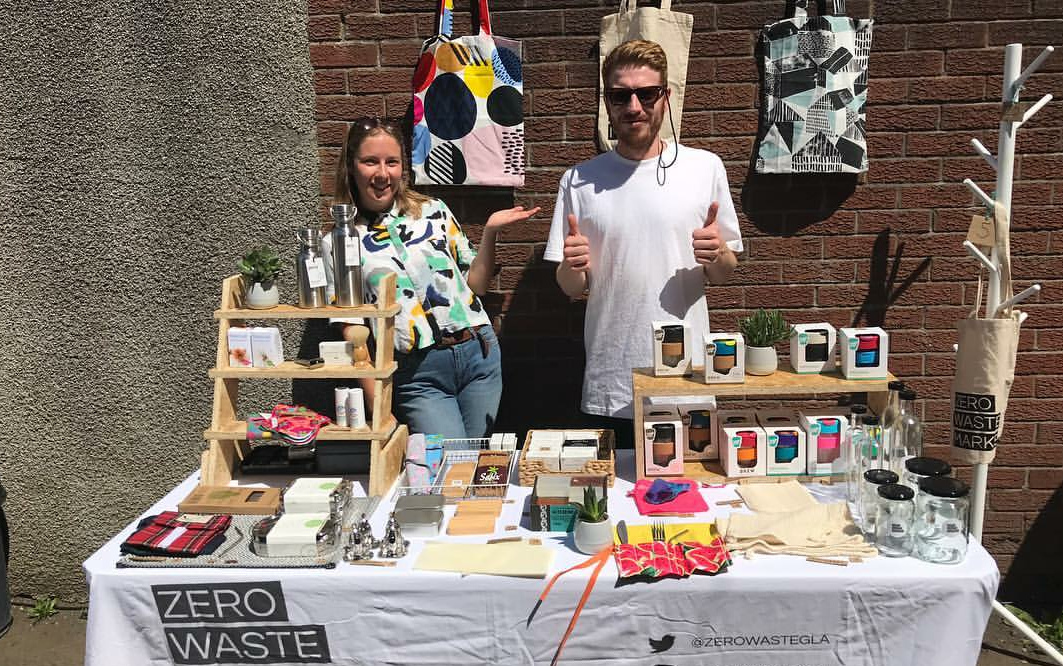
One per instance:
[(917, 469), (942, 512), (873, 478), (893, 523)]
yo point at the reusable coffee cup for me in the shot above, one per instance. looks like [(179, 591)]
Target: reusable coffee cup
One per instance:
[(724, 358), (672, 345), (816, 347), (698, 430), (663, 444), (786, 449), (828, 444), (747, 450)]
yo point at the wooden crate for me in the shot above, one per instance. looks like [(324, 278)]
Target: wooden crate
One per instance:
[(606, 463)]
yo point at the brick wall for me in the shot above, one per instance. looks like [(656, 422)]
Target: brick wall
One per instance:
[(885, 252)]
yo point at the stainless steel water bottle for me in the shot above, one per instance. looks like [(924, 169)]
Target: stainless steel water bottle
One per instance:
[(310, 269), (346, 256)]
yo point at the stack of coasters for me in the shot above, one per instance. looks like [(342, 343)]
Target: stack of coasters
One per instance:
[(475, 517)]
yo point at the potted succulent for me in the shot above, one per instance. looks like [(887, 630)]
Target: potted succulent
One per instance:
[(593, 529), (259, 269), (761, 331)]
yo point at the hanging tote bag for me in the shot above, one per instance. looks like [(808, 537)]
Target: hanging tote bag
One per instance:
[(669, 29), (985, 365), (468, 113), (814, 88)]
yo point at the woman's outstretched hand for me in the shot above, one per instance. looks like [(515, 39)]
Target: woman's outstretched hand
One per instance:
[(504, 218)]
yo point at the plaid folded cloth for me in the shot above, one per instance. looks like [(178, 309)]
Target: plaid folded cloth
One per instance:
[(168, 535)]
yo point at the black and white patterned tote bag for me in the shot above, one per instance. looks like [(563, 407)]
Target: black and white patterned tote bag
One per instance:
[(814, 88)]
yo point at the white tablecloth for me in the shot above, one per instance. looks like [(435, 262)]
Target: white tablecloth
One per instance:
[(768, 611)]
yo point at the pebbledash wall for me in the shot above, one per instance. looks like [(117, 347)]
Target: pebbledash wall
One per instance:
[(886, 252)]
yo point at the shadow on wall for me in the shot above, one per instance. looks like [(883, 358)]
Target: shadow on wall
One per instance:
[(883, 288), (1034, 579)]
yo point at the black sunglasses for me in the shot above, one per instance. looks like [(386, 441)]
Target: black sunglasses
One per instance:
[(648, 95), (367, 123)]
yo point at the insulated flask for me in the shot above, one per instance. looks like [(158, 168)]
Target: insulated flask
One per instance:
[(346, 256), (310, 261)]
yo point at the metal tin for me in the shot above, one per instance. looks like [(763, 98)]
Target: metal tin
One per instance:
[(432, 501), (422, 523), (296, 535), (317, 495)]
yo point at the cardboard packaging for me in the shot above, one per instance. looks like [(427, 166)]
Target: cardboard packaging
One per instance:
[(864, 352), (698, 415), (336, 352), (671, 349), (725, 358), (813, 348), (266, 346), (316, 495), (552, 508), (825, 432), (742, 443), (240, 353), (786, 448), (664, 441), (546, 448)]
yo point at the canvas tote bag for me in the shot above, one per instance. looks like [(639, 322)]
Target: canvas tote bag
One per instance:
[(669, 29), (985, 365), (468, 113), (813, 90)]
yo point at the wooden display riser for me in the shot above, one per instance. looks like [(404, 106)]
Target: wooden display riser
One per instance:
[(711, 471)]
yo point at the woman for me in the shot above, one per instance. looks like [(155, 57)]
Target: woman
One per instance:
[(449, 377)]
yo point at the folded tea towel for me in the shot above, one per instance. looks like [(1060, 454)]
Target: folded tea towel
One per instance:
[(822, 530), (776, 497)]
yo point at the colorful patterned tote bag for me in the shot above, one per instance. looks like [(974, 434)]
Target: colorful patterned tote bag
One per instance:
[(814, 88), (468, 113)]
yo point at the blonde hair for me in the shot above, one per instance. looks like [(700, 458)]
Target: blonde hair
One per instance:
[(409, 200), (636, 53)]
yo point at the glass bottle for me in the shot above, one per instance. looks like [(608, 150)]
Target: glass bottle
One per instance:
[(942, 512), (851, 447), (871, 450), (893, 523), (908, 439), (890, 421)]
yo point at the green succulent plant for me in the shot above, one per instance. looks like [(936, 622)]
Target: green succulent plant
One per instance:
[(593, 508), (261, 264), (764, 328)]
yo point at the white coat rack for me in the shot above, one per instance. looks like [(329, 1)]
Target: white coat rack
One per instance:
[(1004, 165)]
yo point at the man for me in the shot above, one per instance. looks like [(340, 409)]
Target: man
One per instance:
[(640, 229)]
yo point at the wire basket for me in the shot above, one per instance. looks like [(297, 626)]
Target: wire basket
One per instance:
[(458, 456)]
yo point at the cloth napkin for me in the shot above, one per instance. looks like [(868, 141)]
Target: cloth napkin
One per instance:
[(776, 497), (822, 530), (687, 501)]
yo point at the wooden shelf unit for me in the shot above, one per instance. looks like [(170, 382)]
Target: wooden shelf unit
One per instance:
[(784, 382), (227, 435)]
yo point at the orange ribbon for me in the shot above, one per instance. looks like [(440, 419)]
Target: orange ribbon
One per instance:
[(598, 561)]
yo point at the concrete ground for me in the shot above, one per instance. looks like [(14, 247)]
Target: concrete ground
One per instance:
[(60, 641)]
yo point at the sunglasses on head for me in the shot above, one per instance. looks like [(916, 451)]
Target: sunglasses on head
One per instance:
[(367, 123), (647, 95)]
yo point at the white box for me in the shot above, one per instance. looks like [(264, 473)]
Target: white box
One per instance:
[(663, 442), (267, 346), (240, 353), (698, 415), (336, 352), (813, 348), (573, 458), (738, 430), (549, 454), (671, 358), (864, 352), (821, 455), (314, 495), (786, 450), (736, 373)]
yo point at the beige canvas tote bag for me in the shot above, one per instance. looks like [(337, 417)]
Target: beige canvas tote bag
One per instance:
[(669, 29)]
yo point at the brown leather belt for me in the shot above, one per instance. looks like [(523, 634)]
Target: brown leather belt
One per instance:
[(456, 338)]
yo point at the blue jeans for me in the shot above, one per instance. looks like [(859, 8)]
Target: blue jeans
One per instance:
[(450, 391)]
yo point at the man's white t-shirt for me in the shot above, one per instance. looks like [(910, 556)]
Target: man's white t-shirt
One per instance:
[(639, 219)]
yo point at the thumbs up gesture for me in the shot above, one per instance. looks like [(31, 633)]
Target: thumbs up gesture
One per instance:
[(707, 243), (577, 250)]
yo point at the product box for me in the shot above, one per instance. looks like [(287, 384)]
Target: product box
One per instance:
[(672, 349), (552, 508), (785, 449), (546, 448), (698, 414), (240, 355), (825, 432), (742, 443), (864, 352), (725, 358), (664, 441), (812, 348), (267, 346), (336, 352)]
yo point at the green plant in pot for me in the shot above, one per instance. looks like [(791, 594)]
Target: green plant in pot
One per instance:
[(761, 331), (593, 530), (260, 268)]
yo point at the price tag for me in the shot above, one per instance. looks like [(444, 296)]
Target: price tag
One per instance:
[(351, 253), (315, 272), (983, 231)]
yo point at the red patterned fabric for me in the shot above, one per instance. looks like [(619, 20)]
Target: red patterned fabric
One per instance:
[(657, 559), (191, 538)]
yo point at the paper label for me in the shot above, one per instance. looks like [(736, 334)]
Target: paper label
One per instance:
[(195, 518), (315, 272), (351, 254), (898, 529), (982, 232), (952, 527)]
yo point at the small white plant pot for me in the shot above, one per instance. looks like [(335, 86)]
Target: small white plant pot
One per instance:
[(262, 296), (761, 360), (592, 537)]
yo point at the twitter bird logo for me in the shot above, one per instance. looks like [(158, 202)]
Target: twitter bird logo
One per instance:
[(663, 644)]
